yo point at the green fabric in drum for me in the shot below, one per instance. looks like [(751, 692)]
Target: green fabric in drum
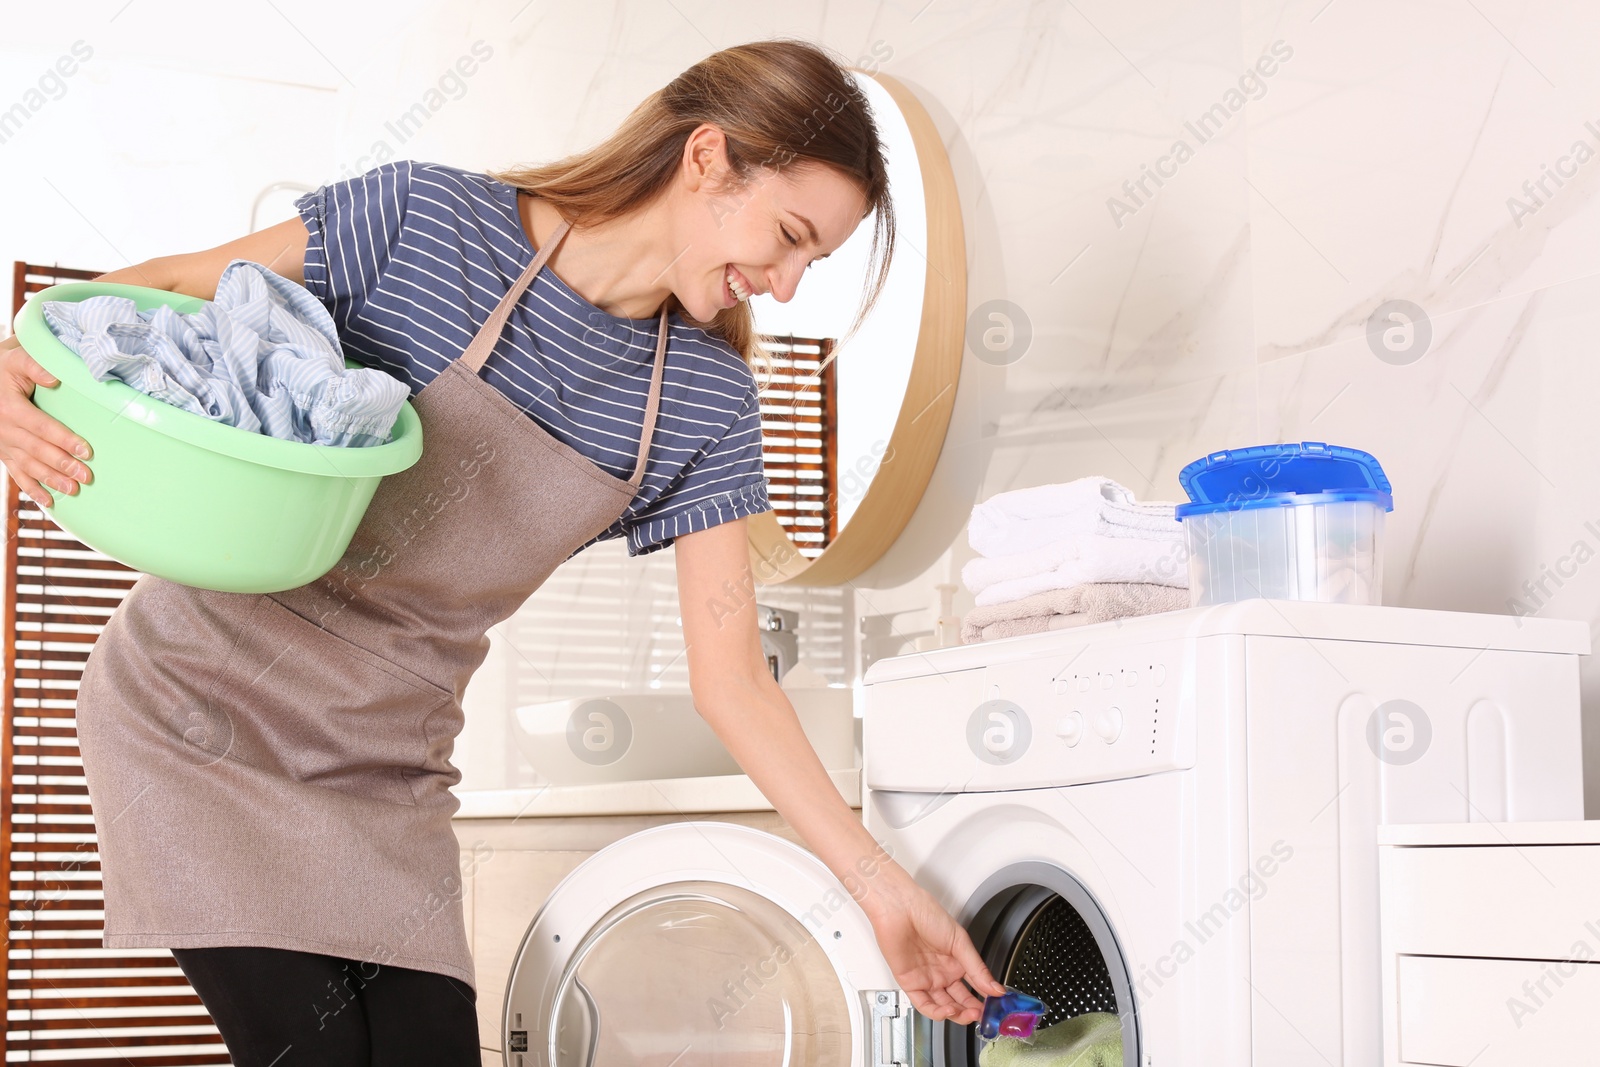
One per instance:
[(1092, 1040)]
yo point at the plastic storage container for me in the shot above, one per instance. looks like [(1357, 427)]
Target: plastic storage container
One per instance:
[(1297, 521), (193, 500)]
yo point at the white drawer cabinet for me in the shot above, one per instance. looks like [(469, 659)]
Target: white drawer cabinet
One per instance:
[(1490, 943)]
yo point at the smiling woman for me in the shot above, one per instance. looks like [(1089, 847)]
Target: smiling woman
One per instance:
[(758, 241), (573, 335), (787, 162)]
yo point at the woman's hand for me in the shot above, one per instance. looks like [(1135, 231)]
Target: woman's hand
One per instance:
[(928, 952), (36, 449)]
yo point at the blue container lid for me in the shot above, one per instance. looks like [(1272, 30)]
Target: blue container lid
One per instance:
[(1276, 476)]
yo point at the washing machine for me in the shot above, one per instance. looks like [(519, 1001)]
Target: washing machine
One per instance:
[(1171, 818)]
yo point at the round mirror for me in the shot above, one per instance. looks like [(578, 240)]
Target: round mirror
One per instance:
[(853, 426)]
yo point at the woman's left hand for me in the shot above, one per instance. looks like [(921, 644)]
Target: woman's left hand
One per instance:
[(928, 952)]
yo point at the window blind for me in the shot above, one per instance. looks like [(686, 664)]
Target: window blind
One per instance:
[(68, 1001), (800, 447)]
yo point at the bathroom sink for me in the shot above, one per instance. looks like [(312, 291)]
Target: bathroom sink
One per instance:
[(625, 737)]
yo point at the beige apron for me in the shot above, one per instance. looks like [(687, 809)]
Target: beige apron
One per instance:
[(274, 769)]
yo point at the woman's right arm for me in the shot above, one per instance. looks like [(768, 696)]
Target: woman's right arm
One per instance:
[(36, 449), (280, 248)]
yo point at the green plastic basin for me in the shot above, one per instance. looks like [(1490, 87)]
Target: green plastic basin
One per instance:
[(196, 501)]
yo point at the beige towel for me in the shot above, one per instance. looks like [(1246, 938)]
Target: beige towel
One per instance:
[(1080, 605), (1036, 624)]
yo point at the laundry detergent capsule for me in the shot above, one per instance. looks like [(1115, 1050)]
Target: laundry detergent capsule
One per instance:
[(1013, 1014)]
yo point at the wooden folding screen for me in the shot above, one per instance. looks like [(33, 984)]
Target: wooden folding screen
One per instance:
[(800, 446), (68, 1001)]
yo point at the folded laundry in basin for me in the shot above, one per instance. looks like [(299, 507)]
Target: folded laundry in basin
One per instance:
[(1091, 1040), (1058, 609), (263, 356), (1075, 561), (1025, 519)]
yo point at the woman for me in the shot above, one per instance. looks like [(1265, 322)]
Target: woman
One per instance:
[(270, 774)]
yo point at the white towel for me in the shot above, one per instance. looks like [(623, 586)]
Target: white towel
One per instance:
[(980, 572), (1157, 525), (1076, 561), (1158, 555), (1024, 519), (1121, 509), (1006, 522), (1080, 561)]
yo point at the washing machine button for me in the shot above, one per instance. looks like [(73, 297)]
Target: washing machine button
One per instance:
[(1070, 728), (1132, 678), (1083, 683), (1062, 687), (1108, 724), (1158, 674), (1106, 681)]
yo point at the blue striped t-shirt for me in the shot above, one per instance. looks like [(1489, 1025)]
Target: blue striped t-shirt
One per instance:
[(410, 259)]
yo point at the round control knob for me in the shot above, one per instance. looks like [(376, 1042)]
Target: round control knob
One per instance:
[(1108, 724), (1070, 728)]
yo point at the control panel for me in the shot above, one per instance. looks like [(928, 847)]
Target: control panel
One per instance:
[(1093, 712)]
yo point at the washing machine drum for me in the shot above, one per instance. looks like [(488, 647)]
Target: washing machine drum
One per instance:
[(1055, 958), (1040, 930)]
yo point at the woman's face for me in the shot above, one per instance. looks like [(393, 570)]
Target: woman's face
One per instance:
[(743, 242)]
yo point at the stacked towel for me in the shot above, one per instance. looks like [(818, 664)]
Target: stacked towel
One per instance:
[(1092, 1040), (1058, 609), (263, 356), (1065, 555), (1025, 519), (1076, 561)]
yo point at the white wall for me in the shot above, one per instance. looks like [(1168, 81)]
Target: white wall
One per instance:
[(1228, 309)]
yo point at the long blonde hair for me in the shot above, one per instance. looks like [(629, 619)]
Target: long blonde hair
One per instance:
[(779, 103)]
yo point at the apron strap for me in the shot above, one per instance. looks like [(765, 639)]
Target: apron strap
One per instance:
[(654, 403), (488, 336), (485, 339)]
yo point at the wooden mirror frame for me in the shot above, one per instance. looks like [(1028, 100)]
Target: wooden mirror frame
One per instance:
[(924, 418)]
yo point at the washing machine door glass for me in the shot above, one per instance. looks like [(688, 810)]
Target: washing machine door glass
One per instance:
[(702, 973)]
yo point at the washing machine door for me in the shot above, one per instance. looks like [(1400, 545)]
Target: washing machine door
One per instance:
[(708, 944)]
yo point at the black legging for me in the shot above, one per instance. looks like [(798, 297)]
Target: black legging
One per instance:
[(279, 1008)]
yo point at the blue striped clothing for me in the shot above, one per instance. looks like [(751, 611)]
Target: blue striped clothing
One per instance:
[(410, 259), (262, 356)]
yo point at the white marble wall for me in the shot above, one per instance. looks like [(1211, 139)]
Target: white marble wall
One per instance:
[(1401, 135), (1227, 307), (1231, 307)]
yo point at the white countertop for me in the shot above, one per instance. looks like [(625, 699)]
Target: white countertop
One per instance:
[(660, 796)]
